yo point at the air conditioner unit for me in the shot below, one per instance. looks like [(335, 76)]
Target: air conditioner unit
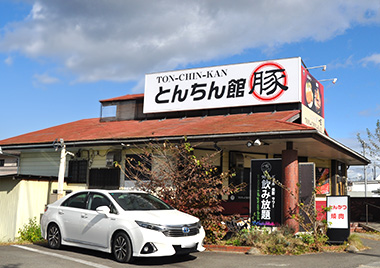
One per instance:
[(112, 157)]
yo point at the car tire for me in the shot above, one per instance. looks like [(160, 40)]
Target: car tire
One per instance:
[(122, 247), (54, 236)]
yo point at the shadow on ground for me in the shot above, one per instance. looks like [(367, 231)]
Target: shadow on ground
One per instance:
[(137, 261)]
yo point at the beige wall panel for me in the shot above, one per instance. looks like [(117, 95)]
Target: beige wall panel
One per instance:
[(41, 164), (20, 201)]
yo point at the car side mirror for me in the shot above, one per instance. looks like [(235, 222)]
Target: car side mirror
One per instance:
[(103, 210)]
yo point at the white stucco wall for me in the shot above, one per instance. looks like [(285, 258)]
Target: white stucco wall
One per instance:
[(20, 200)]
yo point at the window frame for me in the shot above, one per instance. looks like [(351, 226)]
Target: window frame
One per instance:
[(70, 199), (77, 166), (91, 197)]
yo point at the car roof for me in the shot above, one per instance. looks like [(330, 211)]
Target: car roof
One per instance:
[(104, 191), (112, 191)]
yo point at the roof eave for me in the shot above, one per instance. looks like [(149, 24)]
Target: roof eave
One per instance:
[(295, 134)]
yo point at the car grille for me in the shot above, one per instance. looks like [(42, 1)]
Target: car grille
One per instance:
[(183, 230)]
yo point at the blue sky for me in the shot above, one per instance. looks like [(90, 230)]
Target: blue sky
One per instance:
[(59, 58)]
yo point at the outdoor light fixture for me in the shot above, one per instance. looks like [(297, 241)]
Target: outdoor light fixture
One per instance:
[(315, 67), (217, 147), (331, 79), (257, 142)]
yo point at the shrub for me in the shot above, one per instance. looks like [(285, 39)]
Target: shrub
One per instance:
[(186, 182), (31, 231), (278, 241), (308, 219)]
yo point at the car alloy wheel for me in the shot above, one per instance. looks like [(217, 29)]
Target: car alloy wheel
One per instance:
[(122, 247), (54, 236)]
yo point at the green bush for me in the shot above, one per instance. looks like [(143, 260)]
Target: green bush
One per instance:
[(279, 241), (307, 238), (30, 232)]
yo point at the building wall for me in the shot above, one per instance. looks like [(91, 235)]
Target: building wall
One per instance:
[(9, 192), (10, 165), (40, 163), (357, 189), (20, 200)]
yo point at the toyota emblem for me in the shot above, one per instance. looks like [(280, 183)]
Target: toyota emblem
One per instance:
[(185, 230)]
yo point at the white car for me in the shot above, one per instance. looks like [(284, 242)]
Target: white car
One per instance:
[(126, 223)]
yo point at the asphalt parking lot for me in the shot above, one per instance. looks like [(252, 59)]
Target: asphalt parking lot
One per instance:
[(15, 256)]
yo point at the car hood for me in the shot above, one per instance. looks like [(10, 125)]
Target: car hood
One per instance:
[(162, 217)]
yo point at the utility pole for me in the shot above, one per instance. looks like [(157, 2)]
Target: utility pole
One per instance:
[(365, 189), (62, 166)]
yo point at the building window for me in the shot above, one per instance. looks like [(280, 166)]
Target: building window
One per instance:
[(77, 171), (108, 111), (104, 178), (2, 162), (240, 165)]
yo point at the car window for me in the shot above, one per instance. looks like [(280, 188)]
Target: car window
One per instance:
[(139, 201), (76, 201), (97, 200)]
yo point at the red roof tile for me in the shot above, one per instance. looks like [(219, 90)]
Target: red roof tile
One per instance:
[(93, 129), (125, 97)]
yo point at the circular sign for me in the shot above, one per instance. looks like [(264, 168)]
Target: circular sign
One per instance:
[(266, 166), (268, 80)]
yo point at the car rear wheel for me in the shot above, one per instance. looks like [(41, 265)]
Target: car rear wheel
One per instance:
[(54, 236), (122, 247)]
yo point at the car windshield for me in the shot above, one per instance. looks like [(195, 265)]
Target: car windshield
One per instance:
[(139, 201)]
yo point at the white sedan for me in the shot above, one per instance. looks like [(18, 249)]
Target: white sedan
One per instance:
[(126, 223)]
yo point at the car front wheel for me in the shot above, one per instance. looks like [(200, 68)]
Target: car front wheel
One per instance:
[(54, 236), (122, 247)]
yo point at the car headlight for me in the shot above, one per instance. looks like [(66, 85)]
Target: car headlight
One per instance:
[(151, 226)]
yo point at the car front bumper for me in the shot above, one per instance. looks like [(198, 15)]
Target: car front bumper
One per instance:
[(168, 246)]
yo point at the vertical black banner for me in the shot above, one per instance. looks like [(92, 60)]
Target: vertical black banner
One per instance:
[(265, 195)]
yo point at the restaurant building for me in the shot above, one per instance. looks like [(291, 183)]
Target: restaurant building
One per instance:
[(258, 116)]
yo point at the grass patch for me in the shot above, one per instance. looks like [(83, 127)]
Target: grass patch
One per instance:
[(355, 240)]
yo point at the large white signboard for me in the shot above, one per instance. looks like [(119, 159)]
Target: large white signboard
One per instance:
[(246, 84)]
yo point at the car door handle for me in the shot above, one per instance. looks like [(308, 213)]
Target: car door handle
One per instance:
[(60, 212), (84, 216)]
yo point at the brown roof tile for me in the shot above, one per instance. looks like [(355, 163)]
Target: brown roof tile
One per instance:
[(93, 129), (125, 97)]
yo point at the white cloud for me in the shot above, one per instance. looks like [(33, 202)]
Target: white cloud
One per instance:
[(45, 79), (122, 40), (8, 60), (372, 111), (374, 59)]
